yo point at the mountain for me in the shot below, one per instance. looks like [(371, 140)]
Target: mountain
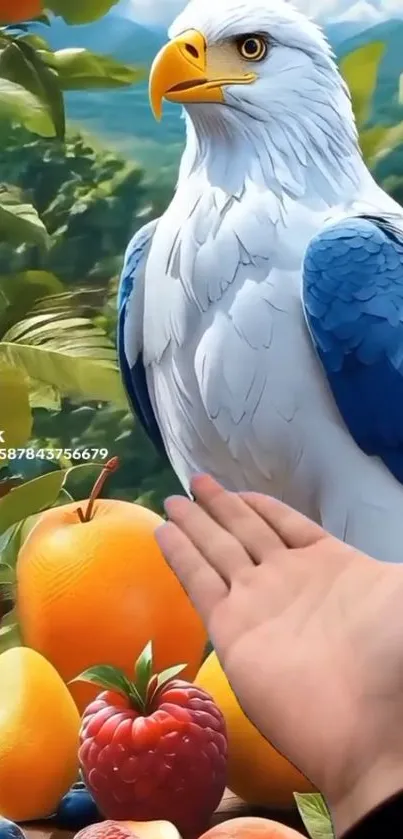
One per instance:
[(339, 32), (123, 117)]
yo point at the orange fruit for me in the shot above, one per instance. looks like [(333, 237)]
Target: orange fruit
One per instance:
[(256, 771), (95, 592), (248, 827), (39, 736), (16, 11)]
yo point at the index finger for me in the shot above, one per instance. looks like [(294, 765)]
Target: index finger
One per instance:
[(237, 517)]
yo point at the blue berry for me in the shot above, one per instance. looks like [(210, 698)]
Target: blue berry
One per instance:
[(10, 830), (77, 809)]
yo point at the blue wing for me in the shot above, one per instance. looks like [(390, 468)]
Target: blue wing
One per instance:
[(353, 299), (134, 377)]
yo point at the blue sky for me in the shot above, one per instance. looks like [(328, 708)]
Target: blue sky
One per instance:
[(368, 11)]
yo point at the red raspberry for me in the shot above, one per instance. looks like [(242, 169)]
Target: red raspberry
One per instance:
[(105, 830), (155, 748)]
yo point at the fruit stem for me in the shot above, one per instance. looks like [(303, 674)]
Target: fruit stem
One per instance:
[(111, 466)]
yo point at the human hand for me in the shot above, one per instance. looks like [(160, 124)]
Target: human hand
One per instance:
[(309, 632)]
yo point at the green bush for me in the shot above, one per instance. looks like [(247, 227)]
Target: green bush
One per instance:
[(90, 201)]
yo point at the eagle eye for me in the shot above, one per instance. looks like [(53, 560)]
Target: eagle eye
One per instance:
[(252, 47)]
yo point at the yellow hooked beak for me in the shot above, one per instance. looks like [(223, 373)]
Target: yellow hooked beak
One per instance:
[(180, 73)]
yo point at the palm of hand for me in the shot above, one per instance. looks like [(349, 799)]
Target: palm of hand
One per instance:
[(309, 631), (297, 649)]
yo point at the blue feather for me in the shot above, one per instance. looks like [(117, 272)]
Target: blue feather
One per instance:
[(353, 299), (134, 378)]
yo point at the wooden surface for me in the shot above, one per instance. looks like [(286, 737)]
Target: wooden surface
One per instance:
[(230, 808)]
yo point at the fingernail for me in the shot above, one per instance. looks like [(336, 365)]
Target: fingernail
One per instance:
[(172, 500)]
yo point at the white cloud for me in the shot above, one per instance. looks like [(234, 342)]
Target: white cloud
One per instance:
[(162, 12)]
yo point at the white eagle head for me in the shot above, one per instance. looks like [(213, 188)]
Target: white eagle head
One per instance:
[(260, 72)]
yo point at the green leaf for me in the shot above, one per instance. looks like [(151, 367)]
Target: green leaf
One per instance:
[(34, 496), (48, 87), (12, 544), (19, 292), (19, 222), (360, 71), (80, 11), (35, 41), (15, 412), (43, 18), (25, 528), (79, 69), (64, 497), (7, 575), (58, 350), (71, 375), (107, 677), (19, 105), (16, 67), (143, 670), (315, 815), (30, 498), (170, 673)]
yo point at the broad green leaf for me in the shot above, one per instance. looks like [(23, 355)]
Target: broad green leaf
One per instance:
[(19, 292), (19, 222), (17, 67), (7, 575), (315, 815), (44, 396), (107, 677), (20, 106), (34, 496), (35, 41), (360, 71), (15, 411), (48, 87), (79, 69), (11, 543), (80, 11), (30, 498), (72, 376), (25, 528)]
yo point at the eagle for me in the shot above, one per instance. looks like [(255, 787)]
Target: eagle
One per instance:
[(260, 318)]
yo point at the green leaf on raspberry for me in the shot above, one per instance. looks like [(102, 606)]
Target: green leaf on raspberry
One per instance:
[(143, 670), (139, 692), (169, 674), (107, 677)]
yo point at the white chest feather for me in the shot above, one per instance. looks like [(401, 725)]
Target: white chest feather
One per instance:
[(228, 358), (206, 247)]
